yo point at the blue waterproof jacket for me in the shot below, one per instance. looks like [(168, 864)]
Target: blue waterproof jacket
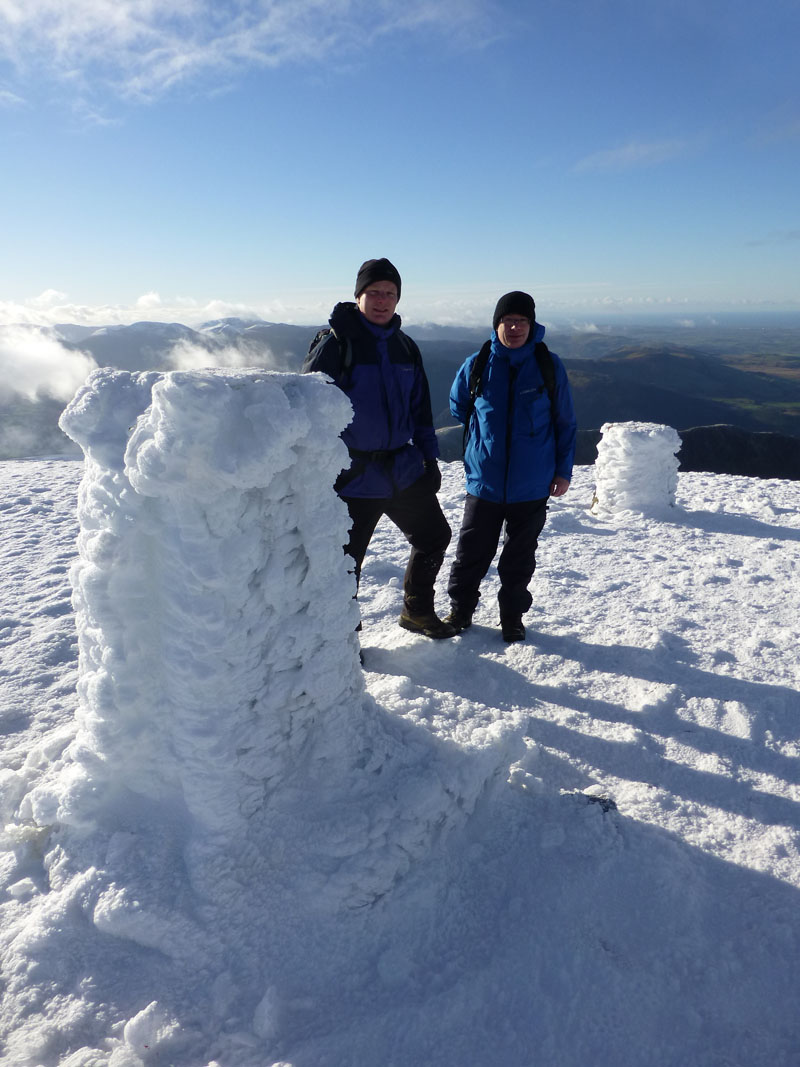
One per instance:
[(391, 435), (515, 443)]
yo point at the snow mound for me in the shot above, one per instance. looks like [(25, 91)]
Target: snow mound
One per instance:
[(636, 470)]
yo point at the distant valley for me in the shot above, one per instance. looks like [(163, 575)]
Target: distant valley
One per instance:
[(746, 378)]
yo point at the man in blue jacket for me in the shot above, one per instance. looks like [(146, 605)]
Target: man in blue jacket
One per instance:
[(391, 439), (519, 450)]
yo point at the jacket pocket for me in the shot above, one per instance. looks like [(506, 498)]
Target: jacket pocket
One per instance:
[(532, 414)]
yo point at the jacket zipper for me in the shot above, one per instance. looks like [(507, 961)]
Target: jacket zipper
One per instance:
[(512, 376)]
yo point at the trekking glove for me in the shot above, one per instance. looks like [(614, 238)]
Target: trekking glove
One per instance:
[(433, 476)]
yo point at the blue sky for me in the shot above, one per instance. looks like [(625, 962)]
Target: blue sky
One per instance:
[(193, 158)]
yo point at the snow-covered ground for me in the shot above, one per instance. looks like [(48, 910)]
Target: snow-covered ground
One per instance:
[(432, 884)]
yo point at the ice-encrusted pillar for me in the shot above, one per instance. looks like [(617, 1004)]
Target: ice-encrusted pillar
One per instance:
[(214, 607), (636, 469)]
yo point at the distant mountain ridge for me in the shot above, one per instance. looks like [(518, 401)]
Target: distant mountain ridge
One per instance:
[(612, 379), (682, 388), (615, 377), (716, 449)]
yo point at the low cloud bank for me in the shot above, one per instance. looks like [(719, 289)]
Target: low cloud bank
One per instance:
[(186, 355), (35, 365)]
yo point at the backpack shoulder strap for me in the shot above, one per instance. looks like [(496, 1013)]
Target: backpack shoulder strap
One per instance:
[(319, 336), (476, 373), (547, 368), (410, 345), (345, 350), (475, 386)]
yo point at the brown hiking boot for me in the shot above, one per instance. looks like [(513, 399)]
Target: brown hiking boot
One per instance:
[(428, 624)]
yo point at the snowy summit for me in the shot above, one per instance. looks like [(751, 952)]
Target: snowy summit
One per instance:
[(227, 845)]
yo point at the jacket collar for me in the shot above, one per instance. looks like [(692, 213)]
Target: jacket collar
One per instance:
[(347, 320)]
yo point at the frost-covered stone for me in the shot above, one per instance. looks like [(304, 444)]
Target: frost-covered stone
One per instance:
[(636, 468), (231, 791), (205, 595)]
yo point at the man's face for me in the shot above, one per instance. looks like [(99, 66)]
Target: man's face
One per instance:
[(377, 302), (513, 330)]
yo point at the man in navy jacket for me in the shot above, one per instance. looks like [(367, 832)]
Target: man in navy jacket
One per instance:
[(520, 447), (391, 439)]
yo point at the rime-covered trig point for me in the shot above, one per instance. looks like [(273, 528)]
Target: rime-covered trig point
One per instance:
[(636, 470), (230, 783)]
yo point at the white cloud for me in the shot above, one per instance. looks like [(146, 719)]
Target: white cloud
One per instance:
[(149, 300), (187, 356), (9, 99), (34, 364), (48, 299), (142, 48), (633, 154), (51, 308)]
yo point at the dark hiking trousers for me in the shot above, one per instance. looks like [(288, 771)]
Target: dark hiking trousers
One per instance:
[(416, 512), (477, 543)]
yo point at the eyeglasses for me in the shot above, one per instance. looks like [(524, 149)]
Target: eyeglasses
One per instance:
[(514, 324), (382, 294)]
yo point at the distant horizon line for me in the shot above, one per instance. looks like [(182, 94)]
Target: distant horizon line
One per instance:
[(463, 308), (561, 319)]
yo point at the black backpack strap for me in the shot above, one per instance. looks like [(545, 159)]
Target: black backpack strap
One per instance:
[(476, 372), (345, 352), (319, 336), (475, 386), (410, 345), (547, 368)]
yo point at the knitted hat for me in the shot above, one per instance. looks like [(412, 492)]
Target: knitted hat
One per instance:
[(515, 303), (376, 270)]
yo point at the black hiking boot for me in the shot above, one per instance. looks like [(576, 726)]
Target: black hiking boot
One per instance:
[(512, 629), (426, 623), (459, 619)]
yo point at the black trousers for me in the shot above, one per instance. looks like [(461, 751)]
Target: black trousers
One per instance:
[(416, 512), (477, 543)]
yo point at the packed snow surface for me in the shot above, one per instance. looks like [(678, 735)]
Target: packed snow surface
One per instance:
[(226, 844)]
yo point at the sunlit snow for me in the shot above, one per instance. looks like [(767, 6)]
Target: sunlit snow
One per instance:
[(225, 844)]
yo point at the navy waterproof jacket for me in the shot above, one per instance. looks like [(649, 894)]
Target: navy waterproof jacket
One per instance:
[(391, 435), (515, 443)]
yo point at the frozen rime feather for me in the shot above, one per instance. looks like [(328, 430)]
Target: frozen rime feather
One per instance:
[(237, 431), (101, 415)]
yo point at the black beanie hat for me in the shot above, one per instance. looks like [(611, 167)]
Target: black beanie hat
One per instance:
[(515, 303), (376, 270)]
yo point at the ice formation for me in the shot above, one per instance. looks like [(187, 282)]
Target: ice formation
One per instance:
[(636, 469), (230, 782)]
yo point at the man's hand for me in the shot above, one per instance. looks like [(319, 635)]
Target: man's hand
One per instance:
[(559, 486), (433, 475)]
